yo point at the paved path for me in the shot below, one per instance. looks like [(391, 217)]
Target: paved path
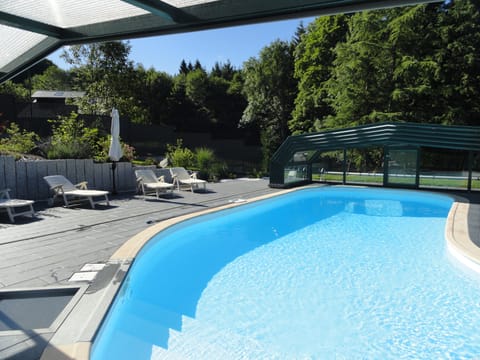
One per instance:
[(48, 250)]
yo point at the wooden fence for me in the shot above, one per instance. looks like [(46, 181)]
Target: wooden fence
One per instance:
[(25, 178)]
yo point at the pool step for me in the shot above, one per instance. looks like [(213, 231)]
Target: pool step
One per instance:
[(155, 314), (158, 333), (198, 340)]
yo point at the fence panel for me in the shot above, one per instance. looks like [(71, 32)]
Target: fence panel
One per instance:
[(125, 177), (25, 178), (10, 175), (106, 176), (71, 170), (3, 175), (21, 179), (61, 167), (31, 180), (89, 165), (98, 179), (42, 187)]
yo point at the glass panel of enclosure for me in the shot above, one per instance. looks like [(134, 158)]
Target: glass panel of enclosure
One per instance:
[(295, 173), (365, 166), (328, 167), (297, 169), (402, 167), (444, 168), (476, 171)]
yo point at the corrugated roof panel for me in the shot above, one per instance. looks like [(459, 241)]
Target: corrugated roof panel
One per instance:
[(67, 13), (15, 42), (411, 134)]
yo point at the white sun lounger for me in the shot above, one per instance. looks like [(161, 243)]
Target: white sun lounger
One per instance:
[(149, 182), (182, 177), (10, 205), (62, 186)]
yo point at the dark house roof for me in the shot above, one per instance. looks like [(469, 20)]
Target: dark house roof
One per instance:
[(47, 94)]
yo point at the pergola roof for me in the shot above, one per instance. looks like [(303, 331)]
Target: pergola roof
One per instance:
[(32, 29)]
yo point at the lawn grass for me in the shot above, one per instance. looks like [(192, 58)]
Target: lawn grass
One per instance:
[(424, 181)]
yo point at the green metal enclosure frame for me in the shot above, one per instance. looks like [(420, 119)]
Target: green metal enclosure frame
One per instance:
[(388, 136)]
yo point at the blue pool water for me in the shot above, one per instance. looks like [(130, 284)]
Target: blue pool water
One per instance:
[(329, 273)]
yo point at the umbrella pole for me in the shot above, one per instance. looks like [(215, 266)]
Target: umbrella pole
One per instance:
[(114, 166)]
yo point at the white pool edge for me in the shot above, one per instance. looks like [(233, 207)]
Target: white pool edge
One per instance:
[(462, 233)]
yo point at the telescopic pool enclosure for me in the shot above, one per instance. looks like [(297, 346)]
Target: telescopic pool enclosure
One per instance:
[(390, 154)]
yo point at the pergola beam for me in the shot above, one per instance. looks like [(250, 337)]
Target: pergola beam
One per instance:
[(35, 26), (162, 9)]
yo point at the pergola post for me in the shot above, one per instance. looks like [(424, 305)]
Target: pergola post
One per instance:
[(470, 169)]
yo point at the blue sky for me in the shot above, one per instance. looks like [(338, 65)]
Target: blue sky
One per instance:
[(235, 44)]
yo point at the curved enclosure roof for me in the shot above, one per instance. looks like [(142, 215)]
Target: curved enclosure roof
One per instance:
[(32, 29), (404, 135)]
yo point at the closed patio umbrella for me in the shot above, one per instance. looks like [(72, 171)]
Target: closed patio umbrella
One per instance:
[(115, 151)]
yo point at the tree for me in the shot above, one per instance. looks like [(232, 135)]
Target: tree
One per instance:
[(19, 92), (225, 71), (53, 78), (183, 68), (196, 83), (270, 91), (314, 56), (415, 87), (38, 68), (459, 61), (417, 64), (225, 101), (154, 92), (104, 71), (360, 84)]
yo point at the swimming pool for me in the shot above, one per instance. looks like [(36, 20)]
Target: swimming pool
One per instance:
[(318, 273)]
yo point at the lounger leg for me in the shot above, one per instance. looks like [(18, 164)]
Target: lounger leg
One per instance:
[(106, 198), (65, 200), (10, 215), (92, 204)]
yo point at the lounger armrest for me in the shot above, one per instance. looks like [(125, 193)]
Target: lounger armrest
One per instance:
[(161, 178), (82, 185), (194, 175), (4, 193), (56, 188)]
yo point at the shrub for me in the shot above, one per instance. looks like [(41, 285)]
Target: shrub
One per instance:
[(71, 139), (205, 161), (205, 158), (180, 156), (103, 145), (18, 141)]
